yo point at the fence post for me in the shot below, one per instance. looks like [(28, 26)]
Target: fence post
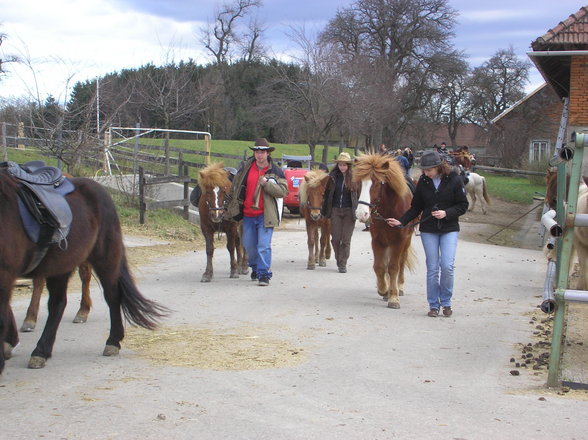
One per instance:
[(4, 146), (141, 196), (20, 135), (186, 194)]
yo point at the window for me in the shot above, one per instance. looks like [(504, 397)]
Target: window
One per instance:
[(539, 150)]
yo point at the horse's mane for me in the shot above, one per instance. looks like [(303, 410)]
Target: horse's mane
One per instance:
[(312, 179), (8, 184), (213, 175), (383, 169)]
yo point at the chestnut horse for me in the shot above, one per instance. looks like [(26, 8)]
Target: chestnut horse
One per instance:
[(312, 197), (215, 186), (30, 321), (580, 241), (462, 157), (385, 194), (94, 236)]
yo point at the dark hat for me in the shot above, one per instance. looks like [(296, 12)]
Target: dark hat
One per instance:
[(430, 159), (262, 144)]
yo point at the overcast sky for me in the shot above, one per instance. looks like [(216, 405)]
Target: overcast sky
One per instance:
[(83, 39)]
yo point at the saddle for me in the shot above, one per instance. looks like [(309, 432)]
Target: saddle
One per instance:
[(45, 214)]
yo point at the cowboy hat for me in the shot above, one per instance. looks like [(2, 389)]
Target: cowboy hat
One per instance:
[(262, 144), (430, 159), (344, 157)]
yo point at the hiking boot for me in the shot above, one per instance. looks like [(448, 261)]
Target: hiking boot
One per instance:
[(264, 281), (433, 313), (253, 275), (447, 312)]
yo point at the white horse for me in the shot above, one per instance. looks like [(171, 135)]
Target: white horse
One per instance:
[(476, 188)]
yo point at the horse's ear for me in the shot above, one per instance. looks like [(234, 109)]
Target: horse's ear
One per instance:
[(307, 177), (386, 165)]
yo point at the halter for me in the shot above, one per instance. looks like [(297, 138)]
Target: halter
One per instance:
[(374, 214)]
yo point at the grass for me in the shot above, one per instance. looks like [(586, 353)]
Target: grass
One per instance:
[(513, 189)]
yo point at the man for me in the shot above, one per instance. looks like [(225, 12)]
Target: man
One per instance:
[(445, 155), (257, 193)]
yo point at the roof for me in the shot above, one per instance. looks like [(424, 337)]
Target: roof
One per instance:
[(554, 50), (516, 104)]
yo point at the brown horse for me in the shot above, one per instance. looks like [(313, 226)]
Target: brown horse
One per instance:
[(215, 185), (30, 321), (385, 194), (580, 241), (462, 157), (95, 236), (312, 196)]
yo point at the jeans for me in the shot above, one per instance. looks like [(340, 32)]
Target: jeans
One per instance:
[(440, 257), (257, 240)]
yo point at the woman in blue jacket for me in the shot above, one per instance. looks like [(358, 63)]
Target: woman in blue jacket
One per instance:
[(441, 198)]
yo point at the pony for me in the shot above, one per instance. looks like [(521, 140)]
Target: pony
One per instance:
[(30, 321), (476, 188), (385, 194), (94, 236), (461, 156), (215, 186), (312, 196), (580, 240)]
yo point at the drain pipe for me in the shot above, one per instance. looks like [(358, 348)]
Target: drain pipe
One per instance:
[(548, 220), (549, 305)]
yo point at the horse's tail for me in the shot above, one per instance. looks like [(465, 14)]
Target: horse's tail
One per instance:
[(411, 258), (485, 190), (137, 309)]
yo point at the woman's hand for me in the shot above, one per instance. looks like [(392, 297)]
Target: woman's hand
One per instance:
[(439, 214), (392, 222)]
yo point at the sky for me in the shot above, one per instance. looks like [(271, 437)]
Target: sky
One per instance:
[(66, 41)]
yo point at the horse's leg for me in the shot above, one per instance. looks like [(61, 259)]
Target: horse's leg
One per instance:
[(324, 243), (30, 320), (310, 241), (327, 237), (394, 275), (209, 238), (479, 195), (85, 273), (230, 234), (11, 337), (317, 244), (57, 287), (244, 263), (380, 268)]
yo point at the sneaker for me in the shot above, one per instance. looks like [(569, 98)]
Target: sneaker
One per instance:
[(253, 275), (447, 312), (342, 269), (433, 313), (264, 281)]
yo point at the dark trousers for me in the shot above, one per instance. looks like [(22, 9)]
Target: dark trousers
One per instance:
[(342, 225)]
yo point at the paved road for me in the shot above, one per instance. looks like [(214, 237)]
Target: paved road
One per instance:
[(362, 371)]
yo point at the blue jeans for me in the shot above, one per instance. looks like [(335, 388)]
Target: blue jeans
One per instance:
[(440, 256), (257, 240)]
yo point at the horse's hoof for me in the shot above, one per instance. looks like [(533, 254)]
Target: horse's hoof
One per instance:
[(37, 362), (244, 271), (27, 327), (310, 267), (401, 293), (234, 275), (205, 279), (323, 264), (8, 350), (80, 319), (111, 350), (393, 305)]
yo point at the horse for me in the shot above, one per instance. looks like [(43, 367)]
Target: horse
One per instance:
[(215, 186), (476, 188), (312, 196), (580, 240), (385, 194), (94, 236), (30, 321), (461, 156)]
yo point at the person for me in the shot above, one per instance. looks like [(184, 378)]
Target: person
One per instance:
[(445, 154), (257, 192), (403, 161), (383, 150), (441, 198), (407, 152), (340, 205)]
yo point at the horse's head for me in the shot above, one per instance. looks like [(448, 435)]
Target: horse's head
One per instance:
[(216, 187), (312, 193), (377, 174)]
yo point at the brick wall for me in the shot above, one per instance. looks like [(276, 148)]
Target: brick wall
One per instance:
[(578, 111)]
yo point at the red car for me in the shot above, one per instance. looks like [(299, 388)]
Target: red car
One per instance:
[(294, 167)]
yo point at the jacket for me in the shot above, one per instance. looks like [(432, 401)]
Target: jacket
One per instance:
[(330, 191), (449, 197), (275, 188)]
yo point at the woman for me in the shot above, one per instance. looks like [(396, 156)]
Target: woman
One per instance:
[(441, 198), (340, 205)]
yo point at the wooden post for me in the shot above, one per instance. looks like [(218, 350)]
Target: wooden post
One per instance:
[(20, 136), (4, 145)]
